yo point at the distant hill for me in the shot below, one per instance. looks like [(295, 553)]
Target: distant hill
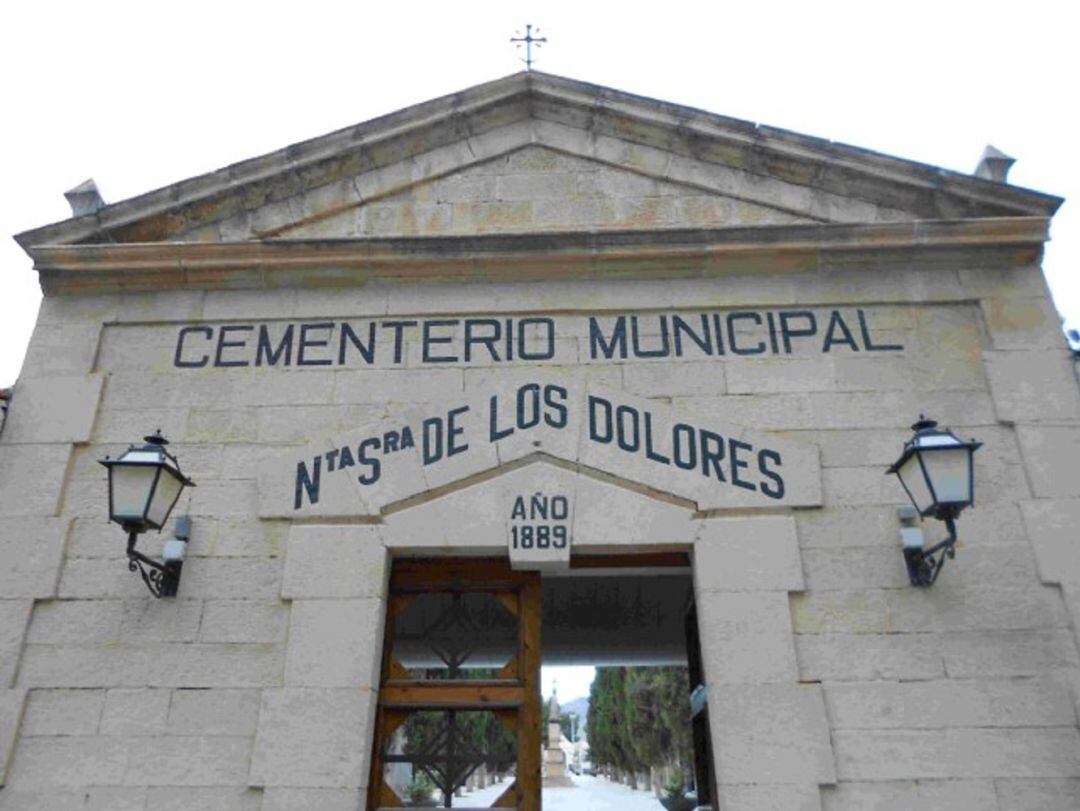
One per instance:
[(577, 706)]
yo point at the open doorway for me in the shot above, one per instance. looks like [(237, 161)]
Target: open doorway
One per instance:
[(463, 721), (619, 636)]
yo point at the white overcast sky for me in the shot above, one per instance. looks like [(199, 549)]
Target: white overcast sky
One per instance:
[(570, 681), (143, 94)]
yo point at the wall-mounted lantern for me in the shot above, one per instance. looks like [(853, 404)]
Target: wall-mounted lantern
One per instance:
[(144, 485), (937, 471)]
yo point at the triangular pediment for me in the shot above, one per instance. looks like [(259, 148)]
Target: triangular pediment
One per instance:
[(537, 188), (619, 162)]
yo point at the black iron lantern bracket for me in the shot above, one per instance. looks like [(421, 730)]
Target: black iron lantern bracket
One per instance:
[(163, 579), (924, 565)]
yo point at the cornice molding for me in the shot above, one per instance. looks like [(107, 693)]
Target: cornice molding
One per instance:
[(675, 253)]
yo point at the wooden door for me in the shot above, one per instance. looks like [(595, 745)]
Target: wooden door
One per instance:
[(699, 710), (450, 623)]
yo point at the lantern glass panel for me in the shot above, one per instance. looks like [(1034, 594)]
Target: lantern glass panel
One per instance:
[(165, 496), (131, 486), (949, 470), (911, 475)]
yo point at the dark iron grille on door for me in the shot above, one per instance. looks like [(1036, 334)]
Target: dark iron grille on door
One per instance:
[(460, 669)]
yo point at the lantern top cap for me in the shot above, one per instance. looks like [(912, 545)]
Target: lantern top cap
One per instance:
[(928, 436), (924, 423), (152, 453), (156, 439)]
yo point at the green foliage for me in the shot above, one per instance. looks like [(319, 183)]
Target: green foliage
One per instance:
[(420, 788), (480, 731), (608, 742), (639, 717), (675, 786)]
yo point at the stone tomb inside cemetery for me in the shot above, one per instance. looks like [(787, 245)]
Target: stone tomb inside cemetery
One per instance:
[(462, 388), (555, 770)]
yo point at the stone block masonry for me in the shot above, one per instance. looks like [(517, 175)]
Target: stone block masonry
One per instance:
[(754, 317), (275, 625)]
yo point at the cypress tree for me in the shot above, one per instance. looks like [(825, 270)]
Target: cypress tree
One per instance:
[(639, 719)]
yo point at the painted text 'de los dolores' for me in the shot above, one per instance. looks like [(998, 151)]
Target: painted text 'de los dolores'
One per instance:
[(725, 460), (589, 428)]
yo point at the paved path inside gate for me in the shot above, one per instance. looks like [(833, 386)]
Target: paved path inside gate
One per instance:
[(588, 794)]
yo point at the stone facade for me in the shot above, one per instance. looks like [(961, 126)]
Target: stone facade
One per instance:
[(833, 683)]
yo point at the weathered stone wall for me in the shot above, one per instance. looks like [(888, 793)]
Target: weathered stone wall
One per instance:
[(529, 176), (833, 683), (538, 189)]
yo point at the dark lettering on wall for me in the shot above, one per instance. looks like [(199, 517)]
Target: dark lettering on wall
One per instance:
[(178, 357), (712, 455), (223, 343), (684, 446), (535, 522), (599, 346), (306, 343), (528, 405), (868, 343), (681, 327), (556, 414), (661, 351), (266, 351), (627, 428), (474, 336), (600, 428), (547, 343), (774, 487), (755, 318), (495, 433), (650, 451), (738, 463), (307, 483), (454, 431), (430, 340), (363, 453), (836, 322), (560, 508), (393, 342), (398, 328), (431, 440), (624, 428), (718, 332), (532, 403), (350, 337), (772, 333), (787, 331)]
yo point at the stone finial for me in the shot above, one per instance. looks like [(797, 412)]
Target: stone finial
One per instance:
[(994, 165), (84, 198)]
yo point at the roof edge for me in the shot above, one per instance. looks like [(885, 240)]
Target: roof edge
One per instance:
[(293, 156), (573, 92), (531, 256)]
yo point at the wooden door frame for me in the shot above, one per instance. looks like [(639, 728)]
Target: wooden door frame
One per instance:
[(514, 698)]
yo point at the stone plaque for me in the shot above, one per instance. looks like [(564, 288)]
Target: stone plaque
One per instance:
[(539, 531)]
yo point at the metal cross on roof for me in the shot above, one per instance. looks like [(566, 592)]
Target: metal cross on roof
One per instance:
[(528, 39)]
